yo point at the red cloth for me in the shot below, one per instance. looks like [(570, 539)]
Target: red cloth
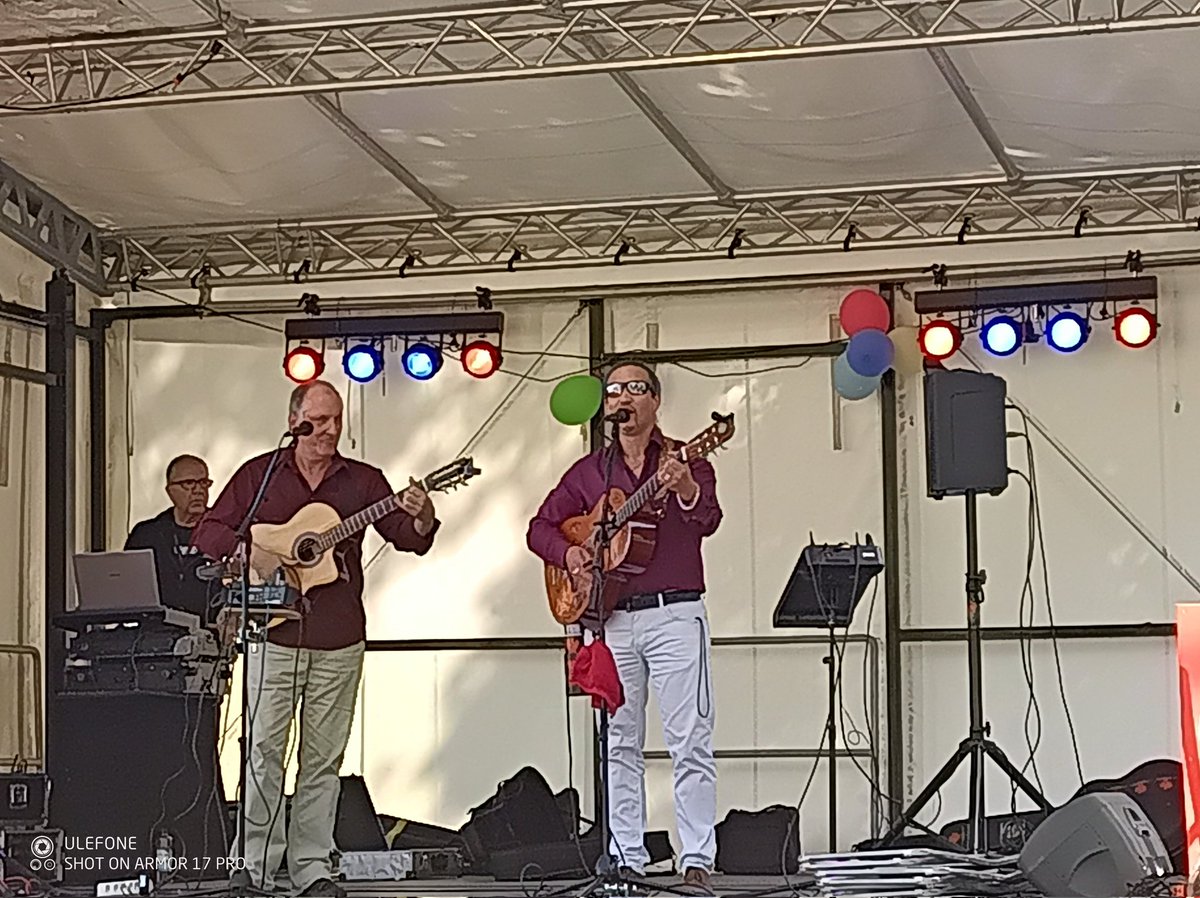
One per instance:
[(595, 672)]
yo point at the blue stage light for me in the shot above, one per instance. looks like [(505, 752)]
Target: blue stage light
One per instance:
[(422, 361), (362, 363), (1002, 335), (1066, 331)]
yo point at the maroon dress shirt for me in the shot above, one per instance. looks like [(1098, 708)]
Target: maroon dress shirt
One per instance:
[(334, 617), (677, 562)]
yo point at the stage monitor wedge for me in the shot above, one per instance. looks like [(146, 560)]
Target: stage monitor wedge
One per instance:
[(1095, 846), (965, 433)]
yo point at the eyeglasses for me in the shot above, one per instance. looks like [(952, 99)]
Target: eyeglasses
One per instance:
[(191, 484), (635, 387)]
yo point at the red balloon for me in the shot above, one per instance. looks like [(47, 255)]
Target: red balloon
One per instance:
[(863, 310)]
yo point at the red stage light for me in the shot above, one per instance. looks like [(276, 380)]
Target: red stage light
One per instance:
[(480, 359), (939, 339), (303, 364), (1135, 327)]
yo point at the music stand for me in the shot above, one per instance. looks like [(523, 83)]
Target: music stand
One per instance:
[(825, 587)]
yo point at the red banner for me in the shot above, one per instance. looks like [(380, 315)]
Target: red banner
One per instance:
[(1187, 649)]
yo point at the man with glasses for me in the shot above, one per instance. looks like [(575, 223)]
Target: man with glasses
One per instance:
[(169, 535), (658, 631)]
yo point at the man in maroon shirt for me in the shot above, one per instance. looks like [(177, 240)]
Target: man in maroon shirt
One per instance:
[(319, 657), (658, 632)]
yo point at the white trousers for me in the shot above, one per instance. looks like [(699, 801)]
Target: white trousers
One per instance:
[(325, 684), (668, 649)]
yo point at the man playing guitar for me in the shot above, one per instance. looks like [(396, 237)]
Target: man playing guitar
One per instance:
[(658, 630), (319, 657)]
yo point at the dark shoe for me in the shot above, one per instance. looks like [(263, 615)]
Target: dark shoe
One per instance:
[(242, 885), (323, 888), (697, 881)]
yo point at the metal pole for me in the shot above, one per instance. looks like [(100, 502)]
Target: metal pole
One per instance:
[(891, 581), (60, 488), (975, 580), (596, 353), (98, 430)]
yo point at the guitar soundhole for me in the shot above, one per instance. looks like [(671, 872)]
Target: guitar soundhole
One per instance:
[(306, 550)]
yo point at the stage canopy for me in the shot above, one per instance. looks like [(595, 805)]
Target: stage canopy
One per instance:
[(250, 142)]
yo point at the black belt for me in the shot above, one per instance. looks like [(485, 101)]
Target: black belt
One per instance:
[(658, 599)]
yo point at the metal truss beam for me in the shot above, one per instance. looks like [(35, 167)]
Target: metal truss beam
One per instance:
[(826, 220), (232, 60), (50, 229)]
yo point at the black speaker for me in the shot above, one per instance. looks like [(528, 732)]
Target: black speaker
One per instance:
[(130, 766), (965, 444), (1096, 845)]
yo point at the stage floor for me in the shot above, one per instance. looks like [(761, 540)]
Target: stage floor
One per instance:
[(485, 887)]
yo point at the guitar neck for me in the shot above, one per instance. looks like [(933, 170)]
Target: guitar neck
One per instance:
[(640, 497), (359, 521)]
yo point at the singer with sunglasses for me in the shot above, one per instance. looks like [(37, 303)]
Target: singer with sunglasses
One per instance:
[(658, 633), (169, 535)]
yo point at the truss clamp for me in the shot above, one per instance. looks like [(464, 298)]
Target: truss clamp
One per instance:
[(1133, 261), (627, 243), (304, 269), (310, 303), (736, 242), (940, 277), (965, 229), (483, 298), (410, 258), (200, 281), (1084, 214), (851, 233)]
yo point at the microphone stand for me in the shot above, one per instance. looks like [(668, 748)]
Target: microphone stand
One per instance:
[(607, 872), (242, 548)]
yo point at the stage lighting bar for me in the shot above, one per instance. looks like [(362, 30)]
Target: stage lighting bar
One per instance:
[(1066, 293), (425, 340), (368, 327)]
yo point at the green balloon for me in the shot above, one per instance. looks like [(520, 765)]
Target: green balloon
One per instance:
[(576, 400)]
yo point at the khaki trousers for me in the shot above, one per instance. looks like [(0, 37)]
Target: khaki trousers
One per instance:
[(325, 686)]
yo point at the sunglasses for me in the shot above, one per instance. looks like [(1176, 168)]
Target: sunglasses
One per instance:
[(635, 387), (191, 484)]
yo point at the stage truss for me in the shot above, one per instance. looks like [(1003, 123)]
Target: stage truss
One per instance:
[(237, 59), (827, 221), (234, 59)]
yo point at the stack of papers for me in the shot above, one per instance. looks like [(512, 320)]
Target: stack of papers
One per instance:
[(915, 872)]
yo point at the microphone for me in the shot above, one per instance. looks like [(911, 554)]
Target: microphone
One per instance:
[(620, 416), (303, 429)]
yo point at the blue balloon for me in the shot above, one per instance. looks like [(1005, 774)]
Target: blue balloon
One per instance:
[(870, 352), (849, 383)]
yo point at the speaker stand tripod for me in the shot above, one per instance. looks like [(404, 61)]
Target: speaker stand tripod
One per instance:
[(977, 746)]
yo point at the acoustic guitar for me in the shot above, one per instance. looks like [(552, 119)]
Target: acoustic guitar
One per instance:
[(303, 546), (634, 532)]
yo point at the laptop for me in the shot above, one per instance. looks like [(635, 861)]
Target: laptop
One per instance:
[(117, 581)]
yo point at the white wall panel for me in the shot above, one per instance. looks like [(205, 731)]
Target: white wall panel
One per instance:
[(1127, 416)]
